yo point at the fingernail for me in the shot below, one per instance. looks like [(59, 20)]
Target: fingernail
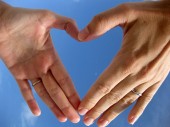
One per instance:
[(82, 111), (62, 119), (76, 120), (37, 112), (103, 122), (83, 34), (88, 121), (132, 120)]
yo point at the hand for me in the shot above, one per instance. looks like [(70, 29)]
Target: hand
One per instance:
[(141, 65), (27, 50)]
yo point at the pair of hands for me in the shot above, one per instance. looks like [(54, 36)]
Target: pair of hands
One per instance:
[(141, 64)]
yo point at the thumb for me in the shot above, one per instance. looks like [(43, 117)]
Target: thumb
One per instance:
[(103, 22)]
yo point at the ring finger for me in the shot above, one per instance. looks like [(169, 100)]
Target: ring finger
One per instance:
[(42, 92)]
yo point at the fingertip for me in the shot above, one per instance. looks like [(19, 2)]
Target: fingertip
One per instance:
[(34, 107), (37, 112), (83, 34), (132, 119), (72, 30), (102, 123), (62, 119), (75, 120), (82, 111)]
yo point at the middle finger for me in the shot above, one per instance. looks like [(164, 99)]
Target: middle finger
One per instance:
[(59, 97)]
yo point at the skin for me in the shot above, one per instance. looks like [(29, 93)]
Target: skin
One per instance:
[(141, 64), (27, 50)]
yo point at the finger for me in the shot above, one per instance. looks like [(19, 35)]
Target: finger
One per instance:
[(143, 101), (59, 97), (65, 82), (113, 75), (120, 91), (42, 92), (103, 22), (121, 105), (64, 23), (28, 96)]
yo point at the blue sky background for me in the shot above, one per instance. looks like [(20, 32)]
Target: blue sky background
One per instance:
[(84, 62)]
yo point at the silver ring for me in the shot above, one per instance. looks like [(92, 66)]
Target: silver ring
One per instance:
[(35, 83), (136, 92)]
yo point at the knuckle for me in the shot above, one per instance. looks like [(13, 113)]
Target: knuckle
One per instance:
[(30, 101), (48, 14), (67, 109), (64, 81), (126, 70), (148, 98), (54, 92), (71, 20), (25, 90), (146, 74), (19, 73), (128, 65), (98, 23), (98, 19), (88, 103), (95, 113), (126, 101), (127, 8), (73, 95), (42, 93), (103, 88), (113, 97), (69, 24)]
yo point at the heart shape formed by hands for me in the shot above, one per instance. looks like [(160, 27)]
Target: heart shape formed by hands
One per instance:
[(139, 68)]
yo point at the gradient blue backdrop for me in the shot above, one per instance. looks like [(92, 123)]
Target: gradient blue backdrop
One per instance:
[(84, 62)]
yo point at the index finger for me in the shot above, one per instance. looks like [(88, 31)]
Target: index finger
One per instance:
[(64, 23)]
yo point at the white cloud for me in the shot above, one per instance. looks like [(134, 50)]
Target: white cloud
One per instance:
[(27, 118)]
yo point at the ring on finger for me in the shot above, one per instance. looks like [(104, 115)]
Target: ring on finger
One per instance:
[(136, 92), (36, 82)]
